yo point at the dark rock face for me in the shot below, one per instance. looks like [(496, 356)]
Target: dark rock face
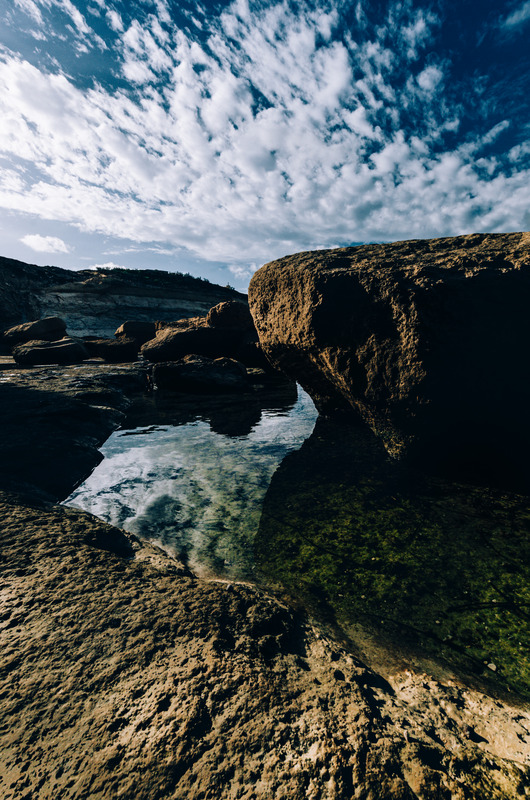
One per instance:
[(49, 329), (201, 375), (141, 332), (38, 351), (422, 339), (113, 351), (230, 314)]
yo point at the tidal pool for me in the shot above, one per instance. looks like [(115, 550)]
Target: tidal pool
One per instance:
[(316, 508), (193, 490)]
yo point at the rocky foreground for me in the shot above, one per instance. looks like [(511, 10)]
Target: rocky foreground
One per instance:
[(123, 675)]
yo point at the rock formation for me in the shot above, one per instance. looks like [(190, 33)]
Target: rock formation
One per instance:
[(63, 351), (423, 340), (226, 331), (199, 374), (49, 329), (96, 302)]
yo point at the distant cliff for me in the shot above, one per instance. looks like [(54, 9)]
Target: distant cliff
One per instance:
[(96, 302)]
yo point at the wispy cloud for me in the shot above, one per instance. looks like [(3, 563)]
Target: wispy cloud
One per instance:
[(45, 244), (519, 16), (267, 132)]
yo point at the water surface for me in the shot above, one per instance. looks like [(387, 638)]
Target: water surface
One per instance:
[(192, 489)]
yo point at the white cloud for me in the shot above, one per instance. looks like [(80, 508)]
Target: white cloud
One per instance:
[(269, 137), (31, 8), (107, 265), (518, 16), (45, 244)]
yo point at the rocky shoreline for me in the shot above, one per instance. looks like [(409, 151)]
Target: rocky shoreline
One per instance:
[(124, 675)]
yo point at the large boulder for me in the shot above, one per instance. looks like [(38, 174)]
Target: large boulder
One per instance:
[(423, 340), (64, 351), (49, 329), (199, 374)]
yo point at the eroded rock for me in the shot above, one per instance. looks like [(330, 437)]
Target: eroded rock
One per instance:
[(423, 340)]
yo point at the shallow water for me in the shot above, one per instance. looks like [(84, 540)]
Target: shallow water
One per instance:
[(195, 491), (322, 512)]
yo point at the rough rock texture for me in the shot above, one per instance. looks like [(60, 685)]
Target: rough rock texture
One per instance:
[(423, 339), (200, 374), (96, 302), (49, 329), (123, 676), (63, 351)]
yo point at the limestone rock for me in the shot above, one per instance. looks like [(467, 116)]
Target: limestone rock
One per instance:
[(422, 339), (201, 375), (38, 351), (48, 329)]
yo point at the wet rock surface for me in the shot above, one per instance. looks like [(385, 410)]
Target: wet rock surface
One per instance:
[(421, 339)]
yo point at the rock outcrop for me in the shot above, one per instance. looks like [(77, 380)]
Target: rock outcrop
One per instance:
[(95, 302), (226, 331), (423, 340), (39, 351), (49, 329)]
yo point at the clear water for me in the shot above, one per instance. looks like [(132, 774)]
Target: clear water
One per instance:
[(196, 492)]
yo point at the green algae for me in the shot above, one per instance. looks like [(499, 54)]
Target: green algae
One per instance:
[(445, 567)]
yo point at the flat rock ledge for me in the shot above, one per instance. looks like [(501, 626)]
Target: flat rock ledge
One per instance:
[(424, 340), (121, 675)]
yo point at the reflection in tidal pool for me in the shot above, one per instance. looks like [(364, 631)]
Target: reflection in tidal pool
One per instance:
[(194, 490)]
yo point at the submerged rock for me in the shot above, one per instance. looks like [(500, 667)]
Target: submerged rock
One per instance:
[(421, 339), (63, 351)]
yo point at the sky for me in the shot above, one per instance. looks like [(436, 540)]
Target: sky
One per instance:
[(211, 138)]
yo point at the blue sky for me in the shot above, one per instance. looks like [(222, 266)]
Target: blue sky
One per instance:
[(214, 137)]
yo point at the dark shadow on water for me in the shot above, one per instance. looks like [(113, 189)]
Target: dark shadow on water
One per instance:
[(440, 566)]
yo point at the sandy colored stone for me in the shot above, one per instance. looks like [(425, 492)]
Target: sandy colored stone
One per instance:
[(424, 340), (123, 676)]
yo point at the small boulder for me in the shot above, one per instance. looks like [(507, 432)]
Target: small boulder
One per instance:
[(201, 375), (190, 336), (230, 314), (141, 332), (112, 350), (39, 351), (48, 329)]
